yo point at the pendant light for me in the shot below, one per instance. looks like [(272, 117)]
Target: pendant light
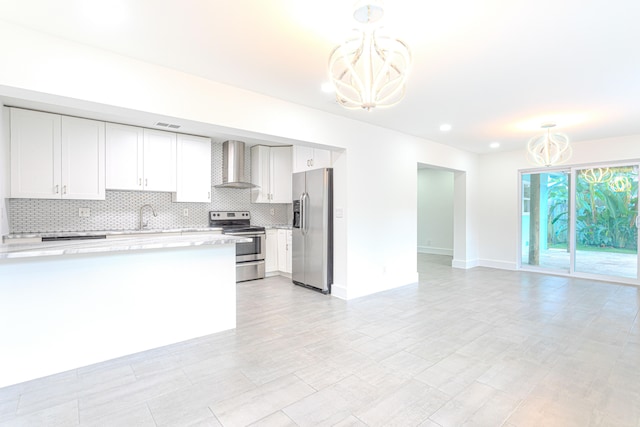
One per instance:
[(370, 69), (549, 149)]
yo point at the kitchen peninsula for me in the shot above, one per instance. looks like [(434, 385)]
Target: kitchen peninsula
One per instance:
[(69, 304)]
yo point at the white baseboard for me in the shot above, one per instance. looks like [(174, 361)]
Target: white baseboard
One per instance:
[(339, 291), (464, 264), (435, 251), (502, 265)]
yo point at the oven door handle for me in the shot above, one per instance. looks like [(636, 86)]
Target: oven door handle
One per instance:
[(245, 233)]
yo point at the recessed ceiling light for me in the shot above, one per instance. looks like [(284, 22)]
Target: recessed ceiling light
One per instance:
[(327, 87), (445, 127), (494, 145)]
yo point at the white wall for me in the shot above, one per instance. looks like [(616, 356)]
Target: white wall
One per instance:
[(498, 190), (376, 177), (435, 211)]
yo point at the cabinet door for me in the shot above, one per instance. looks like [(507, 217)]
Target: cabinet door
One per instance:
[(125, 152), (83, 159), (35, 154), (289, 251), (260, 174), (302, 157), (193, 169), (280, 168), (284, 251), (271, 255), (321, 159), (159, 160)]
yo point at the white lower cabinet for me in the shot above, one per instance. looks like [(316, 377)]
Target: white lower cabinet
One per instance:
[(271, 255), (284, 251), (278, 256)]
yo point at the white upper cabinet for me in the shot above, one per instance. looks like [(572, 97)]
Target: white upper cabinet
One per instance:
[(271, 172), (193, 177), (140, 159), (125, 157), (307, 158), (56, 157), (159, 160), (83, 159)]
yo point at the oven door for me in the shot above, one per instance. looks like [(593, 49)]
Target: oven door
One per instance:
[(250, 251)]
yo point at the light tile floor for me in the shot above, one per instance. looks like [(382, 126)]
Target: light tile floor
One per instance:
[(477, 347)]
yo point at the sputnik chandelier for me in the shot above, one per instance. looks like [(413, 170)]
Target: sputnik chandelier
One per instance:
[(549, 149), (370, 69)]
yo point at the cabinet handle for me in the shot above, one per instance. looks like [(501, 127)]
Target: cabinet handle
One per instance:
[(311, 160), (146, 182), (140, 182), (57, 189), (64, 189)]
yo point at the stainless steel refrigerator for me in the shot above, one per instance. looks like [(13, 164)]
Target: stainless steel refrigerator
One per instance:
[(312, 231)]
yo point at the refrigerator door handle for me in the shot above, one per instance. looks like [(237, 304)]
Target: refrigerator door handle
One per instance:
[(303, 206), (302, 212)]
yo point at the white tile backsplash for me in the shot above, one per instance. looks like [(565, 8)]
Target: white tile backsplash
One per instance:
[(121, 209)]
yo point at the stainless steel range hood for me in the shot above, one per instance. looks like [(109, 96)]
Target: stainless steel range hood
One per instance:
[(233, 166)]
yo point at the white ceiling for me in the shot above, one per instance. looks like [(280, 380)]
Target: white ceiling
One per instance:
[(493, 69)]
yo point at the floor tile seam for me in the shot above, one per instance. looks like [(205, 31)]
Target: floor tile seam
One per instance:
[(142, 396), (271, 414), (478, 404), (9, 415), (146, 404), (29, 414), (73, 396)]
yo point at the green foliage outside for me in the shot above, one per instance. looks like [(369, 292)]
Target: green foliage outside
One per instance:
[(605, 211)]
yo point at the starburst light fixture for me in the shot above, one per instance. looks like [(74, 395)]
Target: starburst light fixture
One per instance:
[(370, 69), (549, 149)]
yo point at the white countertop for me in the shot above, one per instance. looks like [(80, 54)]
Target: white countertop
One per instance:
[(26, 250), (115, 233)]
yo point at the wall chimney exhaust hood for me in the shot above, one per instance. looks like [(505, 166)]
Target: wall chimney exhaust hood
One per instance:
[(233, 166)]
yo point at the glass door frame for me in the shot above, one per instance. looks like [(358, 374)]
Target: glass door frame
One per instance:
[(573, 225), (572, 171), (546, 170)]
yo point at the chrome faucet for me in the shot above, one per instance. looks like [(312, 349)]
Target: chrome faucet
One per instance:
[(145, 224)]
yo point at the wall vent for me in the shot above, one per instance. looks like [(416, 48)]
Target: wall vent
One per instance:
[(167, 125)]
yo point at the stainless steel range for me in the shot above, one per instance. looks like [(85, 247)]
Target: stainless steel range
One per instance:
[(249, 255)]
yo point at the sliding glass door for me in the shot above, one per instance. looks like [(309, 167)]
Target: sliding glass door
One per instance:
[(606, 220), (581, 221), (545, 220)]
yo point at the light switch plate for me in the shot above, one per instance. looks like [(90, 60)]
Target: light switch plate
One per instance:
[(339, 213), (185, 212), (84, 212)]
